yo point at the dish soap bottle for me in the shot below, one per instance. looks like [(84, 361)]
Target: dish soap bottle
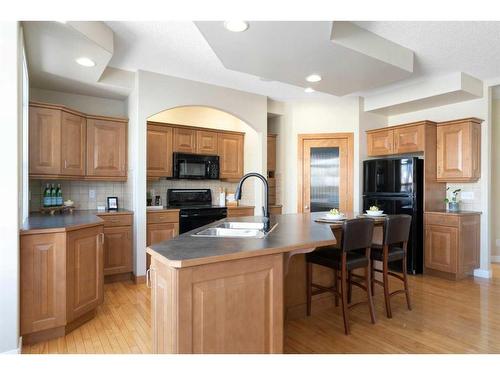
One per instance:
[(46, 197), (222, 197)]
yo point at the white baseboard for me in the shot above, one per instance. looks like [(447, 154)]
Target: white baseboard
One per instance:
[(17, 350), (485, 274), (495, 258)]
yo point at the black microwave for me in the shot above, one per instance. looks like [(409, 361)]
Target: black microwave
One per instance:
[(195, 167)]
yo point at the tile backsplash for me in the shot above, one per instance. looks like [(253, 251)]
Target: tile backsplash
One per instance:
[(79, 192), (473, 204)]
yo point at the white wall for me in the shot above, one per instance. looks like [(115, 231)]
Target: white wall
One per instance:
[(495, 214), (87, 104), (154, 93), (327, 114), (480, 108), (10, 142)]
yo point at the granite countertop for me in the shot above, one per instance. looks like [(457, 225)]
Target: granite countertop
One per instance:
[(43, 223), (293, 232), (164, 209), (459, 213)]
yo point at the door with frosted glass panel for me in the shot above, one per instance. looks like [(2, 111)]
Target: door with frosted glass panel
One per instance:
[(325, 175)]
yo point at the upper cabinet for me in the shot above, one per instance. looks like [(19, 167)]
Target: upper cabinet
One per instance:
[(231, 155), (380, 142), (159, 151), (106, 148), (271, 154), (44, 141), (206, 142), (164, 139), (409, 139), (459, 150), (66, 144), (184, 140)]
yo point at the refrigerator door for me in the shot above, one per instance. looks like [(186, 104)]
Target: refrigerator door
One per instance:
[(389, 176)]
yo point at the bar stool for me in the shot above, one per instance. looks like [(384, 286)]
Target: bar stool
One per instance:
[(357, 235), (393, 248)]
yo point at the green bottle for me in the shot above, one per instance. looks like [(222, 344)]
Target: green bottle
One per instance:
[(46, 197), (59, 198), (53, 196)]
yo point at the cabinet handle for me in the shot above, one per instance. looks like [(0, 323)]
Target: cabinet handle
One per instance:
[(148, 278), (65, 164), (101, 237)]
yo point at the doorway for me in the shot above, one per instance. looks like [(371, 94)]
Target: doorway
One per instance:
[(325, 166)]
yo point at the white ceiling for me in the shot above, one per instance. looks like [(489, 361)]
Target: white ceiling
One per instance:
[(178, 48)]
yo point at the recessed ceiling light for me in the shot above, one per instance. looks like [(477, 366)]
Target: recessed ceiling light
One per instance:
[(85, 61), (313, 78), (309, 90), (236, 26)]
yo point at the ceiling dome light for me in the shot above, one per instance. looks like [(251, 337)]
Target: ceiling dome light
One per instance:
[(85, 61), (309, 90), (236, 26), (313, 78)]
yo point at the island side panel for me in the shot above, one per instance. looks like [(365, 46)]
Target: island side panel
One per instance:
[(226, 307)]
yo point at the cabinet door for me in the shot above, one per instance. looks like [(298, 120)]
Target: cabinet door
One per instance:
[(44, 141), (381, 143), (84, 271), (161, 232), (231, 155), (184, 140), (441, 248), (43, 282), (409, 139), (206, 142), (117, 250), (106, 148), (159, 151), (271, 154), (452, 145), (73, 135)]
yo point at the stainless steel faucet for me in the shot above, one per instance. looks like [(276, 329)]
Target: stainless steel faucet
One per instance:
[(237, 196)]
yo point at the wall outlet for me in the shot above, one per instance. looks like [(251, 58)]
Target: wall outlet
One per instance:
[(467, 195), (91, 194)]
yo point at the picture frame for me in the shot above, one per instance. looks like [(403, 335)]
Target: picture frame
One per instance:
[(112, 203)]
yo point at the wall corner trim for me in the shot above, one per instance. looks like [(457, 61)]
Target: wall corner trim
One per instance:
[(485, 274)]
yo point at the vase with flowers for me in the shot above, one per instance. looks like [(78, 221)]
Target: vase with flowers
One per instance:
[(453, 202)]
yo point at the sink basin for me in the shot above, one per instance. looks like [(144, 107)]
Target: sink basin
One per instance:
[(234, 229)]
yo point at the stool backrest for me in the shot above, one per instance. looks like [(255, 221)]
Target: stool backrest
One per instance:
[(357, 234), (397, 229)]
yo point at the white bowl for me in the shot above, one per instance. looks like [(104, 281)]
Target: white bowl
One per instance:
[(334, 217), (374, 213)]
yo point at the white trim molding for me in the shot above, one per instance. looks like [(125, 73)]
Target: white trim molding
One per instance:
[(485, 274), (18, 350)]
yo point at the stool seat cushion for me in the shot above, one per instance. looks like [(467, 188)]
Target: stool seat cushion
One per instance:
[(395, 253), (332, 258)]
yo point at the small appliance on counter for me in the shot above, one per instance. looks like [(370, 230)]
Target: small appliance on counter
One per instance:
[(196, 208), (195, 167)]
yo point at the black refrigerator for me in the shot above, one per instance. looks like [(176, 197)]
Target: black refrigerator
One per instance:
[(395, 185)]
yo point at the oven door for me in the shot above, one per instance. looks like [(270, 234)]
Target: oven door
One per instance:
[(190, 219)]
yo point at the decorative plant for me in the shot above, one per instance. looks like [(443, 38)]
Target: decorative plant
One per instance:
[(454, 195)]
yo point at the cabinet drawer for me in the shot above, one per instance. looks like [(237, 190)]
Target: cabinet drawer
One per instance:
[(116, 220), (446, 220), (163, 217), (237, 212)]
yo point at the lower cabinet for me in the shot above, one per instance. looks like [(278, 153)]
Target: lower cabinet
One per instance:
[(161, 226), (61, 281), (452, 243), (238, 211)]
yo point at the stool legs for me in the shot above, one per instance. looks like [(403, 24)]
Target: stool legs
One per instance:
[(343, 287), (405, 281), (336, 286), (349, 286), (309, 286), (368, 278), (385, 273)]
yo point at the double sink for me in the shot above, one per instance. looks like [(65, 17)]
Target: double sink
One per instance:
[(235, 229)]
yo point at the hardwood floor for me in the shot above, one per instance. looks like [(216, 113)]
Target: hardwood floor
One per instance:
[(447, 317)]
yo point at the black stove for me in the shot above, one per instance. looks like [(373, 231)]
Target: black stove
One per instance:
[(196, 208)]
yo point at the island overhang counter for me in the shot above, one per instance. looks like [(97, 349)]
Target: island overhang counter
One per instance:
[(225, 295)]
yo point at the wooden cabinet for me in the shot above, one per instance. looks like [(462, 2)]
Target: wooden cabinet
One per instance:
[(206, 142), (409, 139), (73, 136), (238, 211), (459, 150), (380, 142), (106, 148), (452, 243), (44, 141), (43, 282), (184, 140), (66, 144), (275, 210), (61, 280), (85, 279), (159, 151), (231, 155), (161, 226), (271, 154), (248, 293)]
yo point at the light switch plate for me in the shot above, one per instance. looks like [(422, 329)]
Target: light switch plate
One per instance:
[(467, 195), (91, 194)]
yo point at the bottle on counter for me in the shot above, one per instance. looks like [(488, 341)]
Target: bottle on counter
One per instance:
[(47, 202), (53, 196), (59, 197)]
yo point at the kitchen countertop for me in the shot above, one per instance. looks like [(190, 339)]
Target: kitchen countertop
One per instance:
[(164, 209), (293, 232), (41, 223), (458, 213)]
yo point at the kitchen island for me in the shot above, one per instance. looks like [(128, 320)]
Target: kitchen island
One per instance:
[(225, 295)]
